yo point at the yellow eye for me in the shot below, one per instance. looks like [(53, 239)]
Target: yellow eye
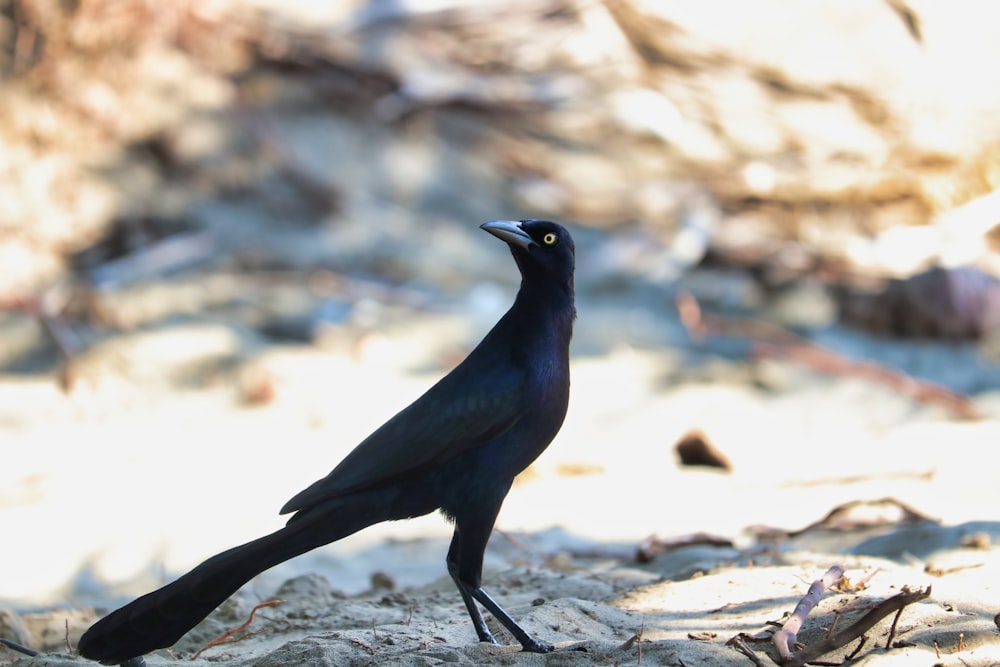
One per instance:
[(549, 239)]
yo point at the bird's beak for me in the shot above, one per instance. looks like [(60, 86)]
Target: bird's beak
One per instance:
[(508, 231)]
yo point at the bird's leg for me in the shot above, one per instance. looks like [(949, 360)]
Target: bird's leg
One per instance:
[(465, 564), (477, 617), (528, 643)]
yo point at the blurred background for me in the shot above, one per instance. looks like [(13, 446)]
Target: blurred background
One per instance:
[(237, 236)]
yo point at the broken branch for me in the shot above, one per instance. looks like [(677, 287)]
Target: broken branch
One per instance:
[(895, 604)]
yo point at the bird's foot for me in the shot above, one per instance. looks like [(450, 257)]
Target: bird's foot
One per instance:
[(487, 638), (532, 645)]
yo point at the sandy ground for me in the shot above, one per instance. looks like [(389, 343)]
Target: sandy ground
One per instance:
[(155, 461), (113, 490)]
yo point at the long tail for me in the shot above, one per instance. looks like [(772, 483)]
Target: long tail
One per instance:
[(159, 619)]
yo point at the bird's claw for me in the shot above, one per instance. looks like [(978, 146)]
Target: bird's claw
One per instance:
[(535, 646)]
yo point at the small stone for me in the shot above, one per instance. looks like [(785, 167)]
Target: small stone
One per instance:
[(694, 449)]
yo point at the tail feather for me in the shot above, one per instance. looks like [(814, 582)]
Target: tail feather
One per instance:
[(159, 619)]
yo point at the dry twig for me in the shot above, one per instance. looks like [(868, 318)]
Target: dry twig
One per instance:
[(653, 546), (839, 518), (786, 637), (892, 629), (828, 361), (739, 643), (361, 644), (862, 583), (227, 636), (861, 645)]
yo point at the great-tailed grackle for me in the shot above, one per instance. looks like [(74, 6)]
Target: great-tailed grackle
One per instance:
[(457, 448)]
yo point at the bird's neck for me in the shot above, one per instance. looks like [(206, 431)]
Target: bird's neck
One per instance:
[(549, 303)]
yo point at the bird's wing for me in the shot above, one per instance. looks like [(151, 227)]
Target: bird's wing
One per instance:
[(467, 408)]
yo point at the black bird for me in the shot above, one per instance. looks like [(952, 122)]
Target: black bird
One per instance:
[(456, 449)]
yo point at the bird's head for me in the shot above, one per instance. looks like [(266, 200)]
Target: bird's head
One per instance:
[(543, 250)]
